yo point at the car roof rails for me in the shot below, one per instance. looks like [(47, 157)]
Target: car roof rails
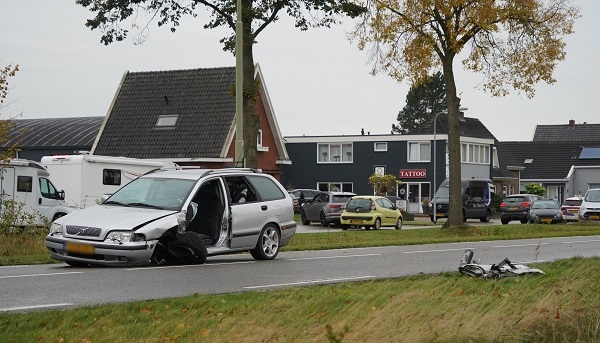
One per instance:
[(234, 170), (177, 167)]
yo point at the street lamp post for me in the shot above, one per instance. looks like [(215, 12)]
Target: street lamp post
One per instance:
[(434, 216)]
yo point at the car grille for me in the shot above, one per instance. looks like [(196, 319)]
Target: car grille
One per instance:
[(83, 231)]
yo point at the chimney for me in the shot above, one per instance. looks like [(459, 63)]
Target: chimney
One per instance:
[(571, 123)]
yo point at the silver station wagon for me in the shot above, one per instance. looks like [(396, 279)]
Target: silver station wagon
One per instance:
[(178, 216)]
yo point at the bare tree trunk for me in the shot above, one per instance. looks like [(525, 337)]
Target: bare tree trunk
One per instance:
[(455, 216), (251, 119)]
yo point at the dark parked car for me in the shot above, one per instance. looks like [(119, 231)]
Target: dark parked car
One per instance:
[(325, 207), (545, 211), (516, 207), (304, 195)]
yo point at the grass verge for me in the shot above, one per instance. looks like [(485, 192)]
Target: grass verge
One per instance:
[(561, 306)]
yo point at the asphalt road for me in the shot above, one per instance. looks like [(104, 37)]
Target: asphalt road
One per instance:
[(36, 287)]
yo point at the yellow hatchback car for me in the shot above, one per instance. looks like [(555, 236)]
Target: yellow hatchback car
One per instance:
[(370, 211)]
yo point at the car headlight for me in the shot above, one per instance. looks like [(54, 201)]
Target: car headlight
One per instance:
[(56, 229), (119, 236)]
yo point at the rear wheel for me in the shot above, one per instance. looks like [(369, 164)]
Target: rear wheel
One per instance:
[(464, 217), (504, 221), (345, 227), (324, 221), (523, 221), (76, 264), (377, 225), (303, 217), (486, 217), (189, 248), (267, 246)]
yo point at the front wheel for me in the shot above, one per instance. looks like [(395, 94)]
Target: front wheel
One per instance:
[(345, 227), (399, 223), (189, 248), (267, 246)]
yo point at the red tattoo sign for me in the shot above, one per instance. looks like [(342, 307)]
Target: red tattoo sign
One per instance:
[(413, 173)]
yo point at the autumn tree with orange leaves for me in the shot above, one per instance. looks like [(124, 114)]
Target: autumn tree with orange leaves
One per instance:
[(515, 44)]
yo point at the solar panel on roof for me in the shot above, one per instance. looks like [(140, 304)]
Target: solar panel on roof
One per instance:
[(589, 153)]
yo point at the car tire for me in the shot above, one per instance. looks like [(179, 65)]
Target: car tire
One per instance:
[(504, 221), (523, 221), (76, 264), (464, 217), (324, 221), (486, 217), (399, 223), (377, 224), (303, 218), (189, 248), (345, 227), (267, 246)]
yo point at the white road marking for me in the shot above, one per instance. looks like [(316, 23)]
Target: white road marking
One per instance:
[(327, 257), (30, 275), (436, 250), (309, 282), (591, 240), (191, 265), (34, 307), (519, 245)]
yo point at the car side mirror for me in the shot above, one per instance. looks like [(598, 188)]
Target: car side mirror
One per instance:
[(104, 197), (60, 195), (191, 212)]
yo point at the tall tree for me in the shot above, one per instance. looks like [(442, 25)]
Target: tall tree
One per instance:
[(424, 101), (514, 43), (6, 124), (256, 16)]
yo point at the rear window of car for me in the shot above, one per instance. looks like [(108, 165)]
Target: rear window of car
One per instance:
[(514, 200), (267, 189), (340, 198), (572, 203), (358, 203)]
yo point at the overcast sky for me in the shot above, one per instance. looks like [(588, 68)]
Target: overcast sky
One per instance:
[(319, 82)]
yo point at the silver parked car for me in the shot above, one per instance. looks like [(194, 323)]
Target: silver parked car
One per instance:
[(325, 208), (178, 216)]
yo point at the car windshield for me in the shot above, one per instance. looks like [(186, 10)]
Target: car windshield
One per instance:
[(162, 193), (593, 195), (443, 192), (539, 204)]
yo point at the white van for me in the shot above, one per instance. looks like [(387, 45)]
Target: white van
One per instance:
[(590, 206), (86, 178), (27, 182)]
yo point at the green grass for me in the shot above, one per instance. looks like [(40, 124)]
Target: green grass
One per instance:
[(561, 306)]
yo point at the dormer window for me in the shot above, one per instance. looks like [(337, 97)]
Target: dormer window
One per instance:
[(167, 120)]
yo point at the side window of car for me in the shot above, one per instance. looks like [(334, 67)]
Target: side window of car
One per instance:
[(239, 190), (266, 188), (383, 202)]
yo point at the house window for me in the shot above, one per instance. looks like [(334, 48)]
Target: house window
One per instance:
[(335, 186), (380, 146), (475, 153), (259, 138), (379, 170), (419, 152), (167, 120), (334, 153)]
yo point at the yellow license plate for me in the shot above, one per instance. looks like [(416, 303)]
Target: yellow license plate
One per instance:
[(356, 221), (78, 248), (546, 220), (439, 214), (595, 217), (514, 208)]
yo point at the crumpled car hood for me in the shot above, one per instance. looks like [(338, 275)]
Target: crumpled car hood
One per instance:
[(110, 217)]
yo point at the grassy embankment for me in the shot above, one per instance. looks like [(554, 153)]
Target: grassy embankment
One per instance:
[(561, 306)]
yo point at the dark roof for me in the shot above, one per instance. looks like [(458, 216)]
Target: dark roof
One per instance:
[(469, 127), (203, 100), (54, 132), (505, 160), (568, 132), (549, 160)]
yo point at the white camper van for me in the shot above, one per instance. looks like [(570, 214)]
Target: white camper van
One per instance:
[(27, 182), (85, 178)]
